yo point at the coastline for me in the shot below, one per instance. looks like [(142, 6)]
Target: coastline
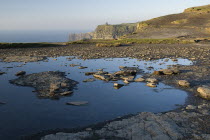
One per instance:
[(197, 75)]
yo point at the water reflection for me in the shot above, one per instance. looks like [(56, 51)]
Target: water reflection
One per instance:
[(25, 114)]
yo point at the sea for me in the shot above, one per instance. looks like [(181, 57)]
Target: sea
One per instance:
[(37, 36)]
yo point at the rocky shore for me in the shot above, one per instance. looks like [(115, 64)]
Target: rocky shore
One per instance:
[(48, 84), (187, 122)]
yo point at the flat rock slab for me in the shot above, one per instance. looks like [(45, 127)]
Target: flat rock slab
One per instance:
[(24, 58), (146, 126), (47, 84)]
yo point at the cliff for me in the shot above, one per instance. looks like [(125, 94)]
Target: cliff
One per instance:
[(192, 23), (106, 32), (113, 31)]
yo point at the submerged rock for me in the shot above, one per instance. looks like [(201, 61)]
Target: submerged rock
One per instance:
[(204, 92), (89, 80), (2, 103), (1, 73), (77, 103), (47, 84), (20, 73)]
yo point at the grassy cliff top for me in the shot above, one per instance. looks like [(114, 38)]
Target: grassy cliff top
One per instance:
[(201, 9)]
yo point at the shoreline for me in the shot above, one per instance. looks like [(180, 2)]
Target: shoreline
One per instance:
[(199, 72)]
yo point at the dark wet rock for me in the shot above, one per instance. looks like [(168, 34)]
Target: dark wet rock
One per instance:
[(167, 71), (77, 103), (157, 73), (24, 58), (1, 73), (204, 92), (20, 73), (126, 72), (90, 73), (81, 67), (184, 83), (134, 69), (47, 84)]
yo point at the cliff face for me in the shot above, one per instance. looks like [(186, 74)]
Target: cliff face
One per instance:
[(106, 32), (113, 31)]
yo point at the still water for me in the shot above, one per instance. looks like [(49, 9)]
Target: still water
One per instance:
[(37, 36), (25, 114)]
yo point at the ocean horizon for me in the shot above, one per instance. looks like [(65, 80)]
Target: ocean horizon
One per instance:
[(33, 36)]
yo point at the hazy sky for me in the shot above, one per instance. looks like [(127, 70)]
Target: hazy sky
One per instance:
[(84, 14)]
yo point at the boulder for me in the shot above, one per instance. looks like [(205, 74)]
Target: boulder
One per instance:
[(204, 92), (184, 83), (152, 80), (139, 80), (151, 85), (167, 71)]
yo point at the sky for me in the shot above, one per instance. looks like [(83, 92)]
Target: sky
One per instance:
[(84, 14)]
